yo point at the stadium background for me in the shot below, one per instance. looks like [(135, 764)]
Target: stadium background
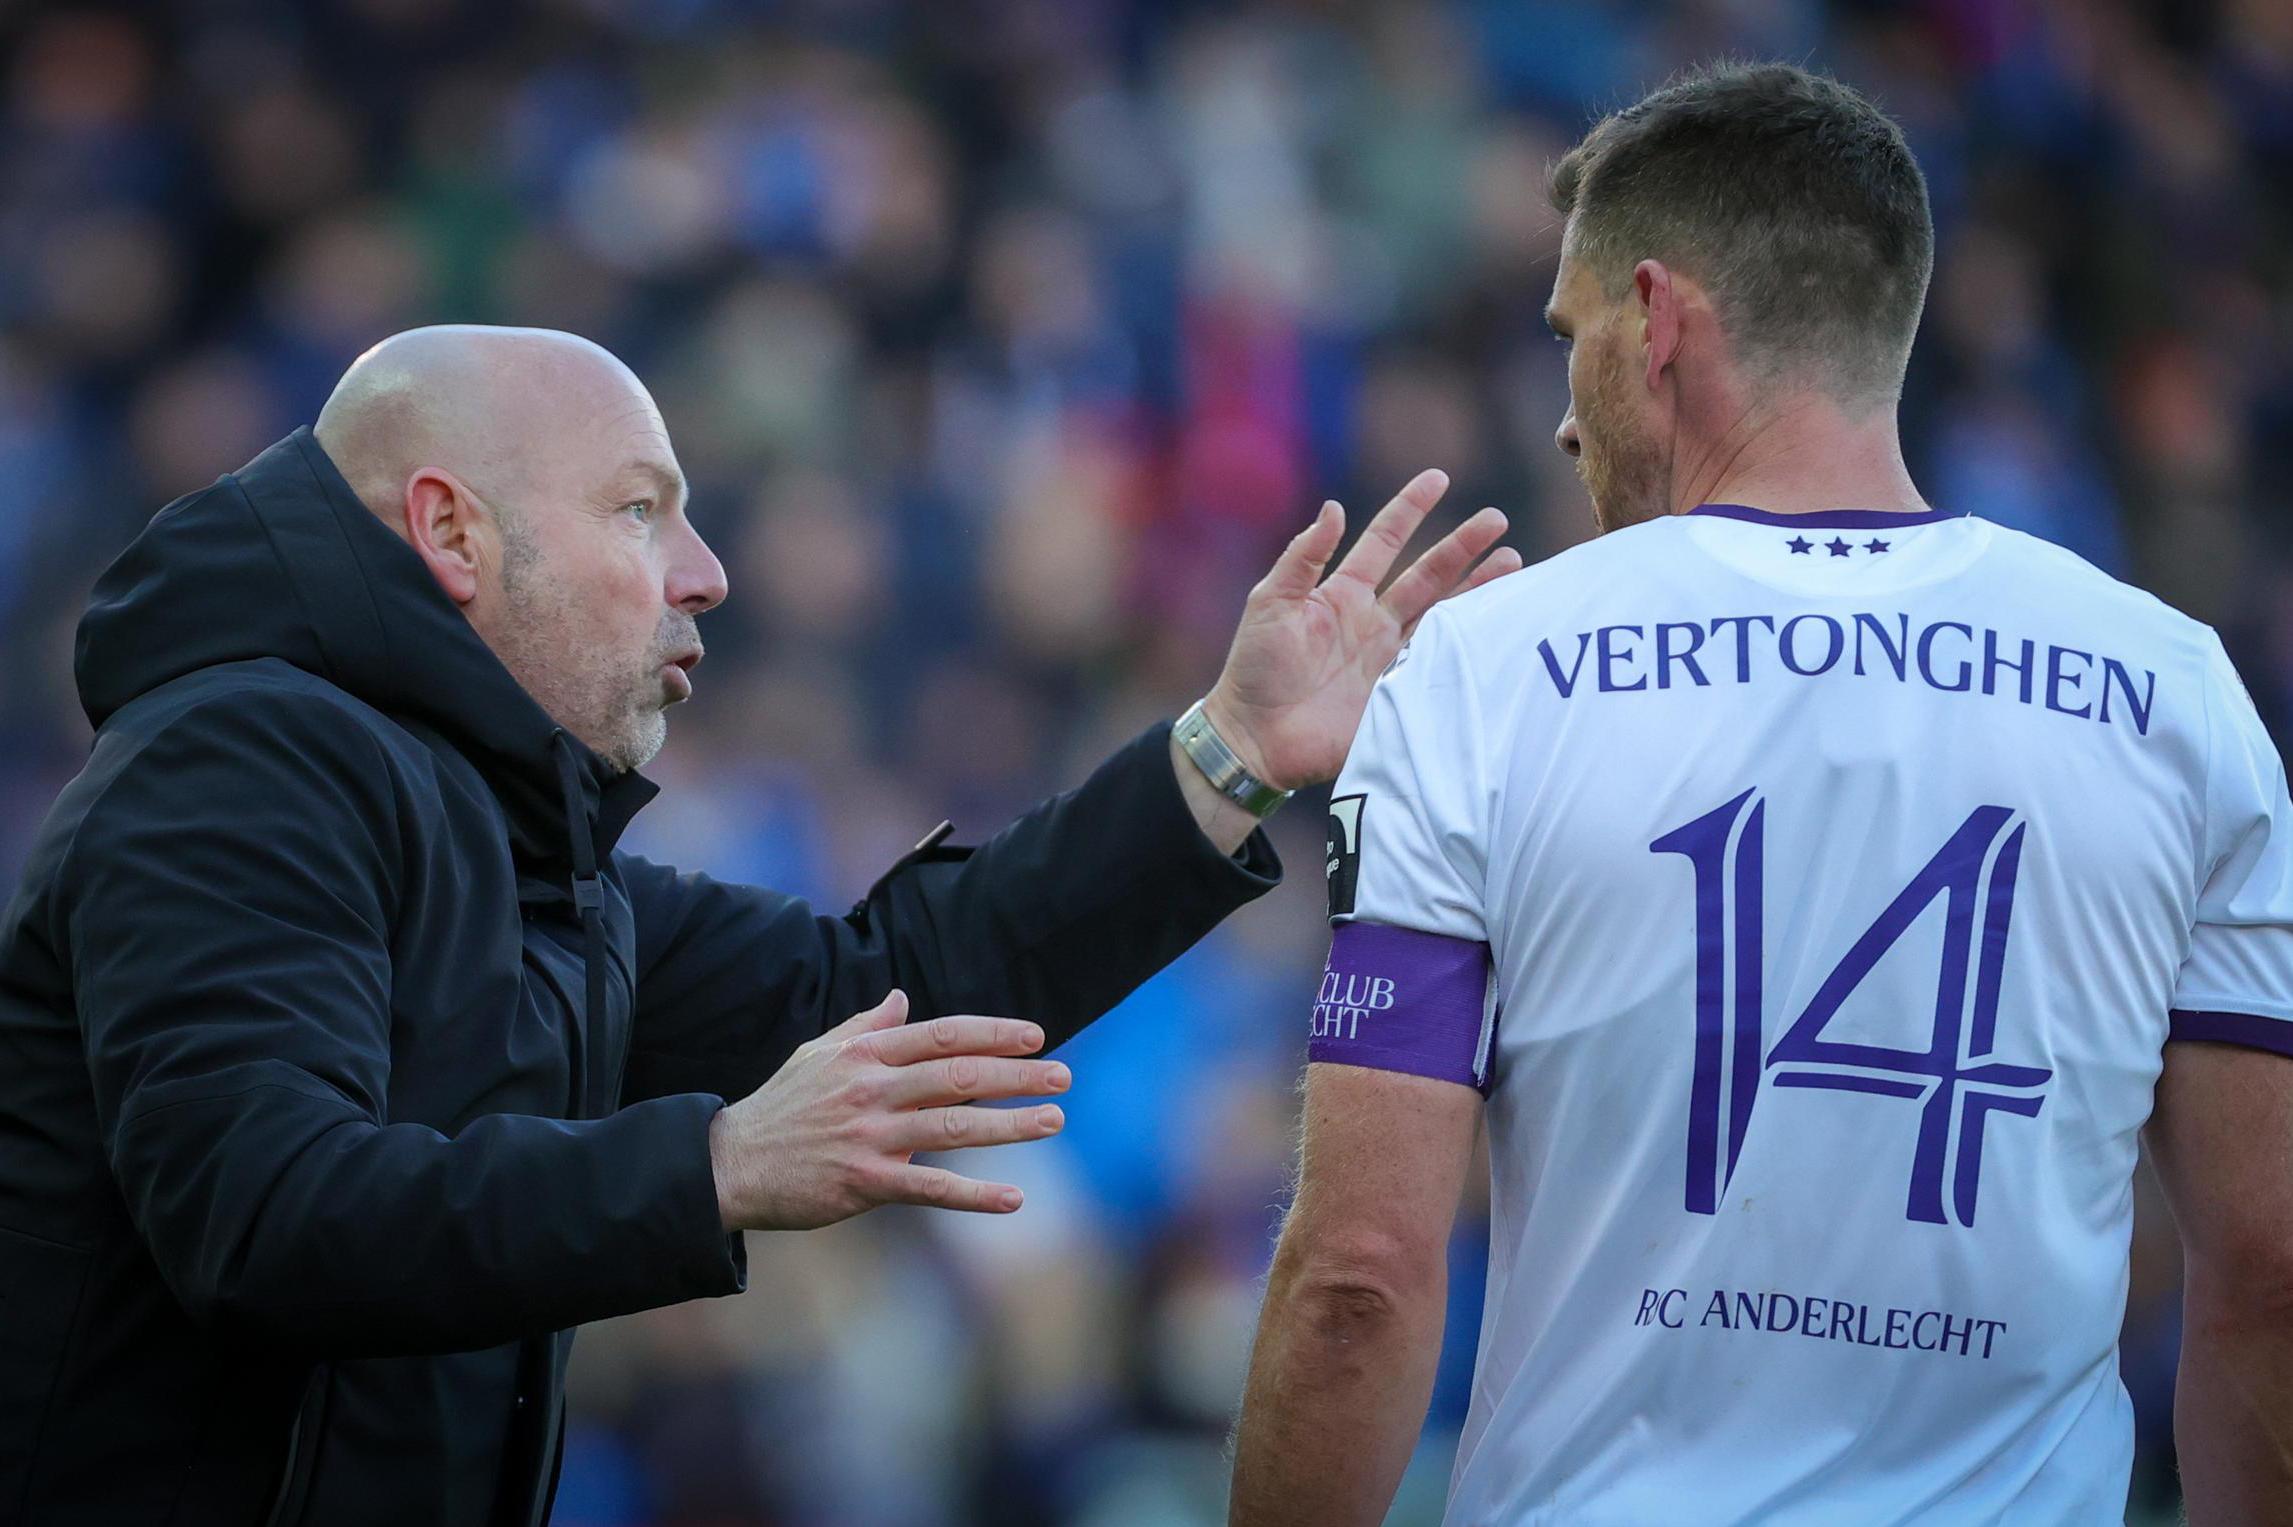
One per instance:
[(1004, 342)]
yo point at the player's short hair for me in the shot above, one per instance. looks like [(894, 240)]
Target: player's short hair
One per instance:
[(1791, 198)]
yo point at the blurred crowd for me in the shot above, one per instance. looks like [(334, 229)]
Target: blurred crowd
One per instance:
[(1004, 342)]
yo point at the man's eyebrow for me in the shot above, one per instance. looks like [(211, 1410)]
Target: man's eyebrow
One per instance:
[(669, 484), (1553, 319)]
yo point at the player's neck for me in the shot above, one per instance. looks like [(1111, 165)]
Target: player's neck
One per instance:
[(1802, 456)]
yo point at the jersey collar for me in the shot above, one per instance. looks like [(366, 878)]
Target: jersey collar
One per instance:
[(1828, 519)]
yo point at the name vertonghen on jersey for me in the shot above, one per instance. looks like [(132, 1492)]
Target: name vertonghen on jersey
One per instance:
[(1956, 657)]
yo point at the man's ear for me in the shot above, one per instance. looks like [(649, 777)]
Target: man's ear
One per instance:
[(446, 528), (1659, 305)]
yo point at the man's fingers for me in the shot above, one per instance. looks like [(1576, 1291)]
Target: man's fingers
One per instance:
[(887, 1014), (1494, 566), (938, 1188), (1437, 572), (1380, 545), (958, 1035), (1299, 568), (970, 1078), (957, 1129)]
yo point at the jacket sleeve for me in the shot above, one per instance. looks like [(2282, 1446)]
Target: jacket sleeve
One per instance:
[(228, 906), (1054, 919)]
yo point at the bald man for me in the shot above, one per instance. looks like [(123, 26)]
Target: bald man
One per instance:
[(347, 1066)]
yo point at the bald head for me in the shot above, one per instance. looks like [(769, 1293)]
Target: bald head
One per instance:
[(531, 473), (516, 413)]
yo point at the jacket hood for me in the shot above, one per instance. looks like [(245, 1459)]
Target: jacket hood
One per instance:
[(281, 560)]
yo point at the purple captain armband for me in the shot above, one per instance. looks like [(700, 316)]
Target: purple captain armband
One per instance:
[(1395, 999)]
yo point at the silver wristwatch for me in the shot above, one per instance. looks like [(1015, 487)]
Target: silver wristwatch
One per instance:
[(1200, 741)]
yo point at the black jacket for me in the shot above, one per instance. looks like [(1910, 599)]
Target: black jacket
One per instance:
[(345, 1065)]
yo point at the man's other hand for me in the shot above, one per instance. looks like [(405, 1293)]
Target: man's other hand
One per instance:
[(1309, 648), (833, 1133)]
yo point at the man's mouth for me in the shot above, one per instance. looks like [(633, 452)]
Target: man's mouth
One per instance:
[(677, 673)]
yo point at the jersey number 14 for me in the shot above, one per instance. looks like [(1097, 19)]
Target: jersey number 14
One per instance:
[(1954, 1081)]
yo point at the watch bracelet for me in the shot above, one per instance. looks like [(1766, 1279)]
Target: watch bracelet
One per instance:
[(1198, 738)]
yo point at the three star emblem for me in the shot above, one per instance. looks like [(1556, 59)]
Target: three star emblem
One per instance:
[(1801, 546)]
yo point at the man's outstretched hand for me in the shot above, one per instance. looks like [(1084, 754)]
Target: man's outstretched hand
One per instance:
[(833, 1132), (1299, 673)]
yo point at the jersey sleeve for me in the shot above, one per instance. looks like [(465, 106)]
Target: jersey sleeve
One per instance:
[(2236, 986), (1408, 985)]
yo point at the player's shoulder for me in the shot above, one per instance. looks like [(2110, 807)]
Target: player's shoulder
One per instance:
[(1528, 603), (2052, 574)]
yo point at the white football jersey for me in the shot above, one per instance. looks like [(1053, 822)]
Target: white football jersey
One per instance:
[(1812, 897)]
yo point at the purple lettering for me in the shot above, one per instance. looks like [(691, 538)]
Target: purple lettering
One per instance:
[(1790, 651), (1897, 650), (1610, 657), (1565, 684), (1992, 663), (2115, 676), (1743, 625), (1966, 679), (2058, 678), (1686, 657)]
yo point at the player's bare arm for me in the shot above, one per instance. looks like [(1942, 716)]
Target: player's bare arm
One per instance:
[(1351, 1330), (2222, 1140), (1309, 648)]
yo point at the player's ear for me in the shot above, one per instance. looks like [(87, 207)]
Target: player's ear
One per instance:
[(1659, 313)]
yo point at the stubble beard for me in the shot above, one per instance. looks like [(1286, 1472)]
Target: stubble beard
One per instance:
[(647, 732), (1619, 456), (621, 717)]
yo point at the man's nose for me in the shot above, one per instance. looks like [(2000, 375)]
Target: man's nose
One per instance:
[(1565, 436), (696, 578)]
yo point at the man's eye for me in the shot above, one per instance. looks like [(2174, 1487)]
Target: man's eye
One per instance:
[(642, 507)]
